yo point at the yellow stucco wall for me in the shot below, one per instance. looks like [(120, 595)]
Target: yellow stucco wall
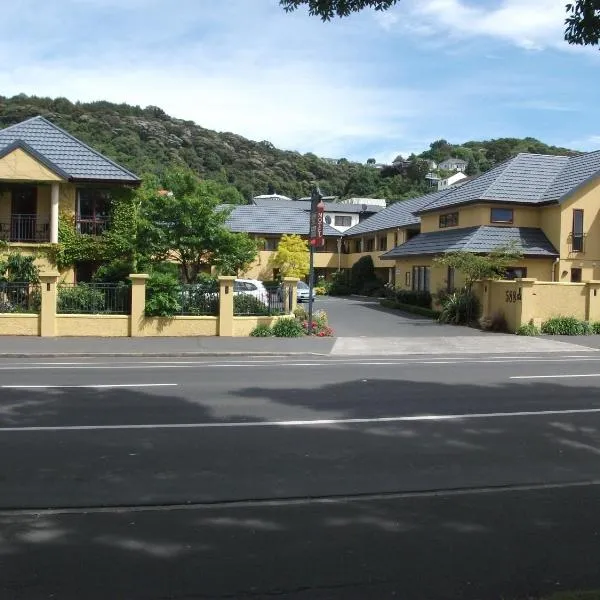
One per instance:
[(558, 299), (92, 325), (479, 214), (242, 326), (500, 303), (11, 324), (20, 166), (179, 326)]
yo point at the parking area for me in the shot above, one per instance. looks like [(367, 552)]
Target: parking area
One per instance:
[(357, 317)]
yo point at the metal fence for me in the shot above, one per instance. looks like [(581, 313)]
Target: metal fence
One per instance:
[(197, 299), (25, 228), (20, 297), (275, 301), (94, 298)]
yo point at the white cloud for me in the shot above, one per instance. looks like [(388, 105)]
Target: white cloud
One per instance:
[(532, 25)]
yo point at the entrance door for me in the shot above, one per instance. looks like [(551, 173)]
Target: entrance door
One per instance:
[(24, 213)]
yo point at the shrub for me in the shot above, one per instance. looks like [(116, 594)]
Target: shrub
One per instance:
[(362, 273), (409, 308), (497, 322), (596, 328), (300, 313), (414, 298), (320, 291), (245, 304), (79, 299), (460, 308), (262, 331), (528, 329), (373, 288), (565, 326), (113, 272), (208, 282), (287, 327), (340, 285), (163, 295)]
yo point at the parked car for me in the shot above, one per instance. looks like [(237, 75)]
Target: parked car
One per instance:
[(251, 287), (303, 292)]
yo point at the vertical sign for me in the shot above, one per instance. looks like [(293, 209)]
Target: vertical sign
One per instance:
[(316, 225)]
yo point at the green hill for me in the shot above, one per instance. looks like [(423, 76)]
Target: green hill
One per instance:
[(148, 140)]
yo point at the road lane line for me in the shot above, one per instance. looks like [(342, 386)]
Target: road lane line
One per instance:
[(312, 423), (567, 376), (91, 386)]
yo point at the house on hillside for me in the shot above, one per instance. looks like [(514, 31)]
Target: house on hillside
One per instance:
[(457, 179), (45, 171), (453, 164), (547, 207)]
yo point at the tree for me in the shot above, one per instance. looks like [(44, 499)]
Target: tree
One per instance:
[(417, 169), (371, 161), (472, 168), (582, 22), (480, 266), (292, 257), (183, 220)]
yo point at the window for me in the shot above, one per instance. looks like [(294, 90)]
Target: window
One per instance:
[(576, 275), (449, 220), (577, 233), (395, 238), (328, 219), (370, 245), (382, 243), (420, 279), (271, 244), (450, 277), (515, 272), (358, 246), (92, 210), (343, 221), (501, 215)]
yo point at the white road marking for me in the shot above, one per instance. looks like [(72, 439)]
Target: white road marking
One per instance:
[(307, 423), (568, 376), (94, 386)]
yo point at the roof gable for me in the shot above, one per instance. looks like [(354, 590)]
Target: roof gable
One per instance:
[(71, 157), (19, 162)]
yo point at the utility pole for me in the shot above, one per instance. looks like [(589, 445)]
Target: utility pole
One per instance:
[(316, 240)]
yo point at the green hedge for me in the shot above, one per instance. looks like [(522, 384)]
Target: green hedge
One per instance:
[(409, 308)]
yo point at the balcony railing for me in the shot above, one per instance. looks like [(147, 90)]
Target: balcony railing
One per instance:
[(576, 242), (25, 228), (95, 226)]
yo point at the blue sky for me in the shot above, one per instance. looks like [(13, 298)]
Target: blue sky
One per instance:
[(373, 85)]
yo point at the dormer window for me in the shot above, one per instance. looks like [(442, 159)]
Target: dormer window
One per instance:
[(502, 215)]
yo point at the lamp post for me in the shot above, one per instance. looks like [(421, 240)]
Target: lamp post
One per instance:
[(315, 236)]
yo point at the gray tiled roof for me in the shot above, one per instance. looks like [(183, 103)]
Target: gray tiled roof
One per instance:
[(61, 151), (272, 219), (528, 240), (576, 172), (399, 214), (329, 206)]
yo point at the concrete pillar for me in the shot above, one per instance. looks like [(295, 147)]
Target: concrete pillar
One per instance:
[(226, 305), (290, 293), (54, 200), (526, 307), (592, 306), (138, 304), (48, 283)]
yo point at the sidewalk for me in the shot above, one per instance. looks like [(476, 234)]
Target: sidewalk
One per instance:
[(24, 347)]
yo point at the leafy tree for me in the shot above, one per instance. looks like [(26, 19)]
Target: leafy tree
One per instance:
[(362, 274), (371, 161), (18, 268), (292, 256), (182, 219), (417, 169), (480, 266), (582, 23)]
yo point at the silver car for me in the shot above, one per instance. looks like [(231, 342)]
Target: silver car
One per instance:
[(303, 292)]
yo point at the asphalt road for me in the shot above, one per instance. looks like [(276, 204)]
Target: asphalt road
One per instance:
[(441, 477)]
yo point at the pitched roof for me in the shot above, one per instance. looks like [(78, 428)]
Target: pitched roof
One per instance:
[(578, 171), (399, 214), (272, 219), (305, 205), (62, 152), (530, 241)]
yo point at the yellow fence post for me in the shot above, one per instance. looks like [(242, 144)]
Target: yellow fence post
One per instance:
[(290, 293), (592, 307), (526, 308), (138, 304), (48, 282), (226, 305)]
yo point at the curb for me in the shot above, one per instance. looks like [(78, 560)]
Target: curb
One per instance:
[(150, 354)]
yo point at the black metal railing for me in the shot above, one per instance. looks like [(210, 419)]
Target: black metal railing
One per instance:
[(576, 242), (95, 226), (20, 297), (94, 298), (25, 228), (274, 301), (197, 299)]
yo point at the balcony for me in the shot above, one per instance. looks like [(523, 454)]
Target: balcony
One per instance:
[(28, 228), (92, 226), (576, 242)]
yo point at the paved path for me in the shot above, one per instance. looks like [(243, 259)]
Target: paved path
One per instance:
[(434, 477)]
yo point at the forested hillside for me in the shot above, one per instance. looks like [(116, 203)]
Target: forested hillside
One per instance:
[(149, 140)]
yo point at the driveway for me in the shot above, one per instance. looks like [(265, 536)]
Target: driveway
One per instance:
[(358, 317)]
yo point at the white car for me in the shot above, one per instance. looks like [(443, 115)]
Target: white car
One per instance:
[(251, 287), (303, 292)]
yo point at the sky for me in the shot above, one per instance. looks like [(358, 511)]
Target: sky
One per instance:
[(374, 85)]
